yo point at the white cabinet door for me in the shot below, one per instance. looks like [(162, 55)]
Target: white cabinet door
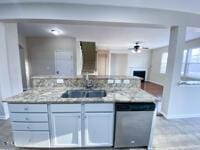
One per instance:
[(31, 139), (66, 129), (98, 129)]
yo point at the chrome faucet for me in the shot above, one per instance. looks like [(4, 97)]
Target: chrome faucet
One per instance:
[(88, 82)]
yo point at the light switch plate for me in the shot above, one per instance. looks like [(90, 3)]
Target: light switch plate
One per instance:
[(60, 81), (118, 81), (126, 81), (110, 81)]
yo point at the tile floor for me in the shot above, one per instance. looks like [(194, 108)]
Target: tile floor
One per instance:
[(177, 134)]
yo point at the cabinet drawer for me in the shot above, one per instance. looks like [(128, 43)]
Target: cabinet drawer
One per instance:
[(31, 139), (28, 107), (17, 126), (99, 107), (29, 117), (65, 107)]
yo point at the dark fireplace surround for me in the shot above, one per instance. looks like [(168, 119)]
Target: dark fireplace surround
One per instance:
[(140, 73)]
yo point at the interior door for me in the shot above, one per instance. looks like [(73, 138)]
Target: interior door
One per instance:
[(66, 130), (98, 129), (64, 63)]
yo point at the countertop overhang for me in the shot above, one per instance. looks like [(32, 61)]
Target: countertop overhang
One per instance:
[(53, 95)]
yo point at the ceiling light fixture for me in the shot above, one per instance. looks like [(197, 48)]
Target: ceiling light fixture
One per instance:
[(133, 51), (56, 31)]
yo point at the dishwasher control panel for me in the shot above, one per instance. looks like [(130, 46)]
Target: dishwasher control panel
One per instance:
[(135, 107)]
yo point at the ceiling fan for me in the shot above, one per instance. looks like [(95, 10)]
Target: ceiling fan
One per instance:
[(137, 48)]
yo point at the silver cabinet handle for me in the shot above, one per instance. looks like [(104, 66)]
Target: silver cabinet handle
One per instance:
[(26, 118), (79, 117), (85, 117)]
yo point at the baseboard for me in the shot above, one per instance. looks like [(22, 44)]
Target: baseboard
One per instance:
[(163, 114), (4, 117), (6, 111), (155, 82), (180, 116)]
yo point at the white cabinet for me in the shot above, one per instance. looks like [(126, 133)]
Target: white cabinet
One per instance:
[(30, 125), (62, 125), (66, 129), (98, 129), (31, 139)]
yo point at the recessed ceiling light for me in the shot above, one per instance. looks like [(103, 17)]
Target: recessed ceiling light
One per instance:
[(56, 31)]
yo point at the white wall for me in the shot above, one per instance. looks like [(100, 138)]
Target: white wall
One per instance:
[(10, 69), (155, 75), (119, 64), (104, 14), (184, 100), (42, 51), (139, 61)]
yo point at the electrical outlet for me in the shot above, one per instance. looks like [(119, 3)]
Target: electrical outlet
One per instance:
[(126, 81), (117, 81), (110, 81), (60, 81)]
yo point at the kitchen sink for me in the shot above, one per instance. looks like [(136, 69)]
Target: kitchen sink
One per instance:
[(96, 93), (83, 93)]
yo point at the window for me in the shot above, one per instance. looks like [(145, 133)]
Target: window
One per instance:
[(184, 62), (192, 68), (190, 63), (163, 65)]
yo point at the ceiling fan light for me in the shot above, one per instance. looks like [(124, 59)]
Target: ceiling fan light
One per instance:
[(133, 51), (56, 31), (139, 51)]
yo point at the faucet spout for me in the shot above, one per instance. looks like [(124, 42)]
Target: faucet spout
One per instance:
[(88, 82)]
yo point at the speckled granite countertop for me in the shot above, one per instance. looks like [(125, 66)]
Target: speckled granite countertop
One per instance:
[(82, 77), (53, 95)]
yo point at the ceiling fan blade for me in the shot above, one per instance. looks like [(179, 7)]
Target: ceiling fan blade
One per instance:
[(144, 47)]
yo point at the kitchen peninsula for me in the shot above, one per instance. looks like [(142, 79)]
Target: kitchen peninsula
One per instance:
[(59, 112)]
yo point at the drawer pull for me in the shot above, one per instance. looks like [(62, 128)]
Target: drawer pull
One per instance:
[(28, 127), (26, 109), (26, 119)]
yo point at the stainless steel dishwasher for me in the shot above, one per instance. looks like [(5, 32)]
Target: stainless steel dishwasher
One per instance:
[(133, 123)]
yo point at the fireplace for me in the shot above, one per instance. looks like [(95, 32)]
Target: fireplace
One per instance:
[(140, 73)]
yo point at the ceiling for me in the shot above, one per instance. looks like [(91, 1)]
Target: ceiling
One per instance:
[(191, 6), (114, 37)]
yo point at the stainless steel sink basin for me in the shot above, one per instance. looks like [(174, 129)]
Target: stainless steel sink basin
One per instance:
[(96, 93), (84, 93)]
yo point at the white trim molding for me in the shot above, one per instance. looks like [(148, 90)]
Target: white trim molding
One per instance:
[(6, 112), (183, 116)]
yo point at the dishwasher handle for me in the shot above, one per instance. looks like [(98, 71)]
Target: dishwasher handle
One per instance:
[(135, 106)]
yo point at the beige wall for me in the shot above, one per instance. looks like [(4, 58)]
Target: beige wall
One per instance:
[(25, 65), (155, 75), (42, 50), (119, 64)]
